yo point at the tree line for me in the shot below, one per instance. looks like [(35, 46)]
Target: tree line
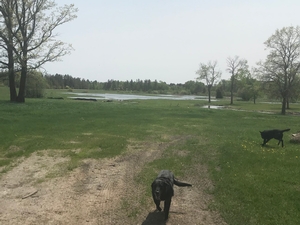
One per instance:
[(59, 81), (242, 87), (37, 83)]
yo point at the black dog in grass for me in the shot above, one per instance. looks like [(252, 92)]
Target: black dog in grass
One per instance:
[(162, 190), (267, 135)]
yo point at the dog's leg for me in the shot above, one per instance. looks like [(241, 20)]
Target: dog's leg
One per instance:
[(265, 142), (167, 208), (157, 203), (281, 142)]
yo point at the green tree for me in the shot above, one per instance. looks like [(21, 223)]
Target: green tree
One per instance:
[(281, 68), (210, 74), (249, 86), (30, 34), (192, 87)]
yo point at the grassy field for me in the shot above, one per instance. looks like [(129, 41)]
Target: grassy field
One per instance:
[(253, 184)]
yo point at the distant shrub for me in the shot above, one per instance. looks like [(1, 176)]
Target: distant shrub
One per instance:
[(245, 94), (35, 85), (219, 93), (184, 92)]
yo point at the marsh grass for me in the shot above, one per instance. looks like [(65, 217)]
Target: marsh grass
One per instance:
[(252, 184)]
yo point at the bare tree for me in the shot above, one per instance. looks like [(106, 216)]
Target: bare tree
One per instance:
[(32, 32), (209, 73), (235, 66), (282, 66)]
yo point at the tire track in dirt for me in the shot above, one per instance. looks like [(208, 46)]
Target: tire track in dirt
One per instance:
[(94, 192)]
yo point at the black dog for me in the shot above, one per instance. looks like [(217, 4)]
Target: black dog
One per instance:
[(267, 135), (162, 190)]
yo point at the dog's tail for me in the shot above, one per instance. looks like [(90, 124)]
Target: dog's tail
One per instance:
[(285, 130), (181, 184)]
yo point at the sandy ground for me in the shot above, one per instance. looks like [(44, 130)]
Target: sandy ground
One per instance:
[(33, 192)]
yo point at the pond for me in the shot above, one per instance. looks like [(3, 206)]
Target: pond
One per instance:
[(213, 107), (121, 97)]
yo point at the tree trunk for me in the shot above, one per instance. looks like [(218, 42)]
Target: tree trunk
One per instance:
[(283, 106), (209, 93), (11, 77), (284, 93), (231, 90), (10, 53), (12, 86), (21, 95)]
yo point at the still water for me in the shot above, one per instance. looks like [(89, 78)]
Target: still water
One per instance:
[(121, 97)]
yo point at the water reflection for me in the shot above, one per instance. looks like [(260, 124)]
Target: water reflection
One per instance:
[(213, 107)]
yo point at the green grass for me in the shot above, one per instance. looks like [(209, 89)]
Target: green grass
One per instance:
[(253, 184), (256, 185)]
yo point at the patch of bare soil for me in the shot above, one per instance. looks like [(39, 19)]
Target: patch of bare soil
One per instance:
[(95, 192)]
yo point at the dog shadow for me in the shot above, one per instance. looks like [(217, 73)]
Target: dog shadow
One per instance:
[(155, 218), (267, 146)]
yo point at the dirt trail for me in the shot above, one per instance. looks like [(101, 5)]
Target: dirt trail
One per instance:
[(94, 193)]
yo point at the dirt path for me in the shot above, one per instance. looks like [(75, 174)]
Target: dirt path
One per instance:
[(96, 192)]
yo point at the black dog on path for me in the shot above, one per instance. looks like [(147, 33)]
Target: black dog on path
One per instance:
[(267, 135), (162, 190)]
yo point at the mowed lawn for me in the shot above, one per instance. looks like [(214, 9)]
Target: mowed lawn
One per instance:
[(252, 184)]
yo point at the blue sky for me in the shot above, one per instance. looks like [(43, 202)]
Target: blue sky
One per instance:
[(166, 40)]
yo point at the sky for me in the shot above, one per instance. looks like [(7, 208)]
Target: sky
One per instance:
[(166, 40)]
